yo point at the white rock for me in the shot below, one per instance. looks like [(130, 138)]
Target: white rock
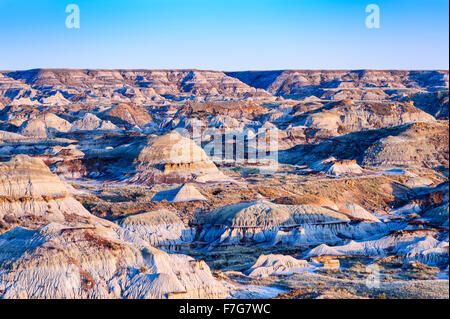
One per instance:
[(269, 265)]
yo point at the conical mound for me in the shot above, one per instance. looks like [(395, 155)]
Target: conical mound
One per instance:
[(334, 167), (184, 193), (171, 159), (339, 168)]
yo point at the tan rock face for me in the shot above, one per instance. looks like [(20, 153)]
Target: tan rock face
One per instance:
[(130, 114), (24, 176), (234, 109), (331, 264), (338, 118), (420, 145), (413, 144), (172, 148), (31, 196), (175, 159)]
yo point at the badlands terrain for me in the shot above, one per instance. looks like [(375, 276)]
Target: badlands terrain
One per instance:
[(208, 184)]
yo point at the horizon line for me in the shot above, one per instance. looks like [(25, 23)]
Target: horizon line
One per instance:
[(224, 71)]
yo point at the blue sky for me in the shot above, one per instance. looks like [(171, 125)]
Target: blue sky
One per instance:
[(224, 35)]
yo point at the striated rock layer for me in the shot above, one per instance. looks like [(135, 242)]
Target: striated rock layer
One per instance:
[(77, 255), (62, 262), (263, 222), (171, 158), (31, 196)]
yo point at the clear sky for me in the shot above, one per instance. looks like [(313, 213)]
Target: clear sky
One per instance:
[(225, 35)]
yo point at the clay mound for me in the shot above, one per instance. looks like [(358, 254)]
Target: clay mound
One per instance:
[(10, 137), (128, 114), (266, 214), (270, 265), (161, 227), (23, 101), (346, 167), (158, 217), (171, 159), (55, 99), (70, 153), (357, 212), (418, 182), (334, 167), (412, 145), (291, 137), (172, 148), (90, 122), (184, 193), (31, 196), (83, 263), (419, 145), (33, 128), (381, 114), (54, 123)]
